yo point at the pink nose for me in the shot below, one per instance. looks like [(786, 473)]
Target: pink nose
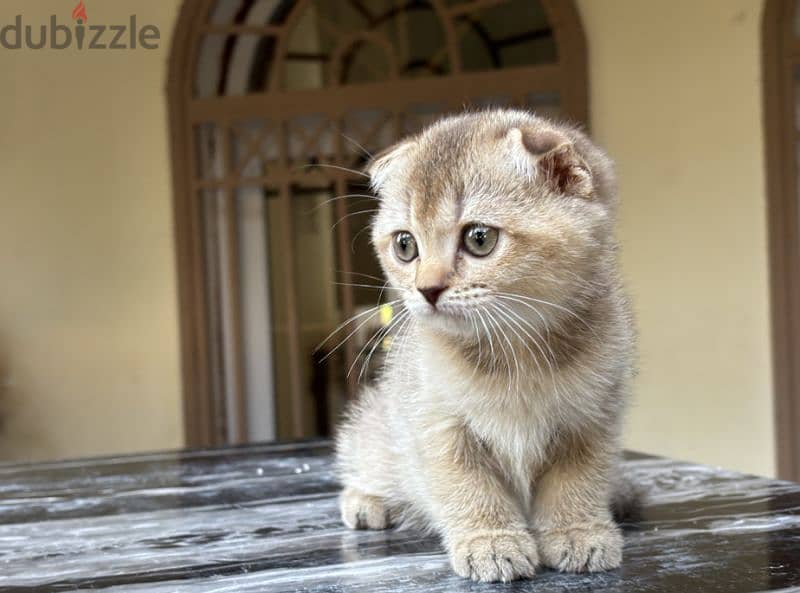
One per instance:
[(432, 293)]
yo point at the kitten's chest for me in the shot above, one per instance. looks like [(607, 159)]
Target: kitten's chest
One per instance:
[(517, 437), (518, 448), (514, 419)]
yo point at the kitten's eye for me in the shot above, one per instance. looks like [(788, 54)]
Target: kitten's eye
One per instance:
[(479, 239), (405, 246)]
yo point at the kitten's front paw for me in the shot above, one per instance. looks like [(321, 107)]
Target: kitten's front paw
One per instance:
[(581, 549), (362, 511), (490, 556)]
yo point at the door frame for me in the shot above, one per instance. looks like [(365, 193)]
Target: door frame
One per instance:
[(780, 57), (204, 411)]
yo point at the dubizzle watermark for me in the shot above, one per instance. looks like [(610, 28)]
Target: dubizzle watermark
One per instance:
[(81, 35)]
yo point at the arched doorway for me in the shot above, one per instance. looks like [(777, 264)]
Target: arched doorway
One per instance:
[(273, 106)]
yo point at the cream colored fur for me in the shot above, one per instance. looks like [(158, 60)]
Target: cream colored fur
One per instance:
[(496, 420)]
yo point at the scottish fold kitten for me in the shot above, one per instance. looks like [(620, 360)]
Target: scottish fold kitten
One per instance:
[(497, 417)]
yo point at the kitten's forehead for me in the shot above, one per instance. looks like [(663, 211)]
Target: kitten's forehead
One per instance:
[(468, 167), (454, 166), (445, 168)]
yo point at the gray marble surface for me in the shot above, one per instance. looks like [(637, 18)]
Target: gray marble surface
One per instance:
[(264, 518)]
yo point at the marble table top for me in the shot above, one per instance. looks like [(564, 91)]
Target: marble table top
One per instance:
[(264, 518)]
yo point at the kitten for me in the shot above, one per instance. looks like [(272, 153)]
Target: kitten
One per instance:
[(496, 421)]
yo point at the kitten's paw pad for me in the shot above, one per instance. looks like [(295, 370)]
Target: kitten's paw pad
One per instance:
[(362, 511), (581, 549), (491, 556)]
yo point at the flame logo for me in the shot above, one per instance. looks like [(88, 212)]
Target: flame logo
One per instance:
[(79, 12)]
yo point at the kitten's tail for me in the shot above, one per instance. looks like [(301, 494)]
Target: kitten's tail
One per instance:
[(627, 500)]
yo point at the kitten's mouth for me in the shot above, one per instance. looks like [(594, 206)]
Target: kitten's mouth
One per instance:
[(447, 314), (450, 311), (458, 312)]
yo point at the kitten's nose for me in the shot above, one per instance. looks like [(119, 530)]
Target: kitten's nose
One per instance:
[(432, 293)]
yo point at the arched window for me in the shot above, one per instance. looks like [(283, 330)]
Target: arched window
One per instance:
[(273, 106), (781, 64)]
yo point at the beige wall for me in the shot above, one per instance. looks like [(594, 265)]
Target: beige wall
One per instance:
[(675, 98), (88, 320)]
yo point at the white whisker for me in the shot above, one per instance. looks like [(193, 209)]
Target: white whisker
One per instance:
[(356, 213), (527, 323), (504, 312), (397, 329), (375, 286), (335, 198), (353, 171), (372, 311), (375, 340), (356, 143), (554, 305), (507, 360), (366, 227), (488, 334), (370, 276)]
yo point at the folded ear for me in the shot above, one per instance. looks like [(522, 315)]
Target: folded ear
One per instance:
[(551, 156), (386, 163)]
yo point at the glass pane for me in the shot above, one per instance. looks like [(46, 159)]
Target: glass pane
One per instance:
[(314, 256), (311, 44), (209, 65), (254, 148), (544, 104), (256, 276), (420, 115), (212, 207), (535, 49), (351, 42), (505, 34), (368, 287), (208, 148), (365, 61), (367, 272), (343, 42), (311, 140), (390, 46), (313, 241), (490, 101), (418, 39), (224, 12), (264, 241), (238, 12), (366, 132), (233, 64), (277, 294)]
